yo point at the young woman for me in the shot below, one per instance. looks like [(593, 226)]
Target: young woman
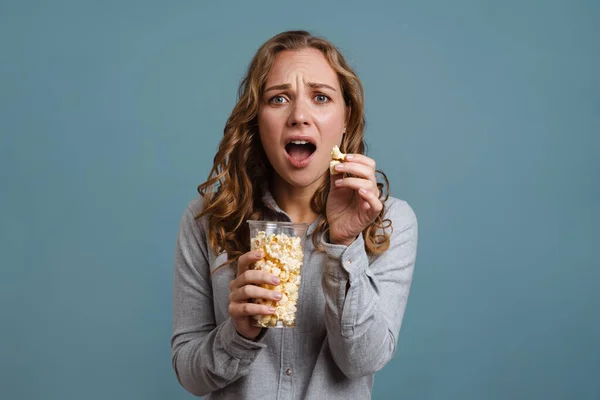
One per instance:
[(299, 99)]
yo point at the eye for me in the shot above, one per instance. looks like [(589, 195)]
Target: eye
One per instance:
[(321, 98), (279, 99)]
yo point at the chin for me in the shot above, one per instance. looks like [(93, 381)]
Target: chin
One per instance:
[(302, 179)]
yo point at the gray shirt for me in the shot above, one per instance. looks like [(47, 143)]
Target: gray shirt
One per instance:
[(350, 310)]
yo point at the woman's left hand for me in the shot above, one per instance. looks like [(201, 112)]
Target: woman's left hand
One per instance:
[(353, 202)]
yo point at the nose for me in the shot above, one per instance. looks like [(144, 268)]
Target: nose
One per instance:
[(299, 115)]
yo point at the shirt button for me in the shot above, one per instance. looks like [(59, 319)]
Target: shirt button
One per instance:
[(288, 372)]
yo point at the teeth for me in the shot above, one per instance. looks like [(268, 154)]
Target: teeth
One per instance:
[(299, 142)]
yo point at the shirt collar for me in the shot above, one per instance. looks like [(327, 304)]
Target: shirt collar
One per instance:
[(271, 204)]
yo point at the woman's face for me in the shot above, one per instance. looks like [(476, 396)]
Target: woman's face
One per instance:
[(301, 116)]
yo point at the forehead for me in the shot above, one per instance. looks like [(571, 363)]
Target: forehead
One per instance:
[(308, 64)]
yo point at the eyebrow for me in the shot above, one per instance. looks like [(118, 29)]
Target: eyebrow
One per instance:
[(314, 85)]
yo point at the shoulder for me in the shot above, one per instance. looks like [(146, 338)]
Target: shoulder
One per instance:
[(400, 213), (193, 231), (190, 223), (196, 205)]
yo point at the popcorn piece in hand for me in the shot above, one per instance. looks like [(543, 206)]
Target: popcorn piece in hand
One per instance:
[(336, 157)]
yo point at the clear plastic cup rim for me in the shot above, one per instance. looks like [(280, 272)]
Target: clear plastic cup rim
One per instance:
[(278, 223)]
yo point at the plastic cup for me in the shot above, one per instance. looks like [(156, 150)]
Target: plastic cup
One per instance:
[(283, 246)]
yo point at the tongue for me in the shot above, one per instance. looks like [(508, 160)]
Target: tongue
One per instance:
[(299, 151)]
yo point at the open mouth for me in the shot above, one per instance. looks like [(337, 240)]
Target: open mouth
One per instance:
[(300, 151)]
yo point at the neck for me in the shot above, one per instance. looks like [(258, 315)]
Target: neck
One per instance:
[(295, 201)]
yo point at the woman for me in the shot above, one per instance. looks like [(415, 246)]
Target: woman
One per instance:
[(298, 100)]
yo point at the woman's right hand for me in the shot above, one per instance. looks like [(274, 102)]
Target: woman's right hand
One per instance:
[(243, 288)]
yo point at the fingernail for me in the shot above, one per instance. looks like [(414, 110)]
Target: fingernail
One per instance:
[(272, 309), (349, 157), (339, 167), (277, 296), (363, 191), (338, 182), (275, 280), (258, 254)]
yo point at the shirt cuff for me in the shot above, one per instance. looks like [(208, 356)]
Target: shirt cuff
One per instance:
[(352, 259), (238, 346)]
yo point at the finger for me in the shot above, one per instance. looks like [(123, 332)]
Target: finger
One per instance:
[(253, 277), (247, 259), (361, 159), (356, 184), (356, 169), (237, 310), (334, 178), (373, 204), (247, 292)]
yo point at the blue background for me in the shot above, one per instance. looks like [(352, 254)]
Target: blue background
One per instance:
[(484, 115)]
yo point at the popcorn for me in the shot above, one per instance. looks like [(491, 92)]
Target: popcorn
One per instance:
[(336, 157), (283, 258), (284, 299)]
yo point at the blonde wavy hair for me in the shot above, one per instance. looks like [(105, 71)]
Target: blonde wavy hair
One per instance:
[(232, 193)]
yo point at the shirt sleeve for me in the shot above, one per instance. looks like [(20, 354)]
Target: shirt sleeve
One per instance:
[(365, 298), (205, 356)]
